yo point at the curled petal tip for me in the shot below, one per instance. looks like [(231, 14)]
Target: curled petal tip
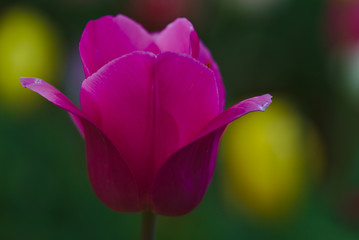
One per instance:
[(261, 102), (26, 81), (268, 96), (264, 101)]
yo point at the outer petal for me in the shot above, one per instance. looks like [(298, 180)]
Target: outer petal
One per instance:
[(52, 94), (259, 103), (110, 37), (182, 181), (206, 58), (179, 36), (109, 175)]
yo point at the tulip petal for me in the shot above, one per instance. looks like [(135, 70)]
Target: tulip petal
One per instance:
[(56, 97), (187, 91), (51, 94), (259, 103), (109, 175), (110, 37), (183, 180), (179, 36), (119, 97), (206, 58)]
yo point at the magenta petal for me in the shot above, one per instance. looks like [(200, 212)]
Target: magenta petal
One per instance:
[(186, 90), (183, 180), (179, 36), (119, 97), (56, 97), (109, 175), (259, 103), (105, 163), (110, 37), (206, 58), (52, 94)]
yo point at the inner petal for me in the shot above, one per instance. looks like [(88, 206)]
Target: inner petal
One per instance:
[(179, 36), (186, 90), (108, 38)]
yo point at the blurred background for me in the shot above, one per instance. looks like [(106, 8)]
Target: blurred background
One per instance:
[(289, 173)]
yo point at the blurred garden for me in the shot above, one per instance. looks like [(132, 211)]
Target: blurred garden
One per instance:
[(291, 172)]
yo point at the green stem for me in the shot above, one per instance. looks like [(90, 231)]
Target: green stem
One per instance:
[(148, 226)]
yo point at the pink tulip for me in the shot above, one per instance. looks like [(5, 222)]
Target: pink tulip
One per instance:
[(151, 114)]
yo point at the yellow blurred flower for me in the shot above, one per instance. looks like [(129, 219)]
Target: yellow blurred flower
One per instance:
[(29, 46), (268, 159)]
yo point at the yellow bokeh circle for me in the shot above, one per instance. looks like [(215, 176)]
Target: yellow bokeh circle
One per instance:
[(268, 158), (29, 47)]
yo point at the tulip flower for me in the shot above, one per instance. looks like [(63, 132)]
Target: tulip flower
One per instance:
[(151, 114)]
